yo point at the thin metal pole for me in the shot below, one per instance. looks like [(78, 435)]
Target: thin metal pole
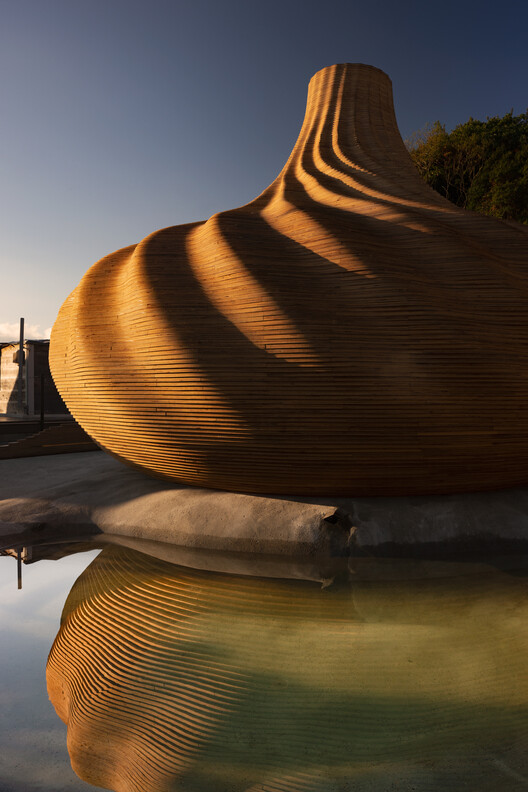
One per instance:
[(41, 402), (19, 567), (20, 364)]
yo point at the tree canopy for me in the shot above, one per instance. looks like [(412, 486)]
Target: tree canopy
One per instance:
[(480, 165)]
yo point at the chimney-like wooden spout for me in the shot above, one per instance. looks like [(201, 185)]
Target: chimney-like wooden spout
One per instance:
[(347, 332)]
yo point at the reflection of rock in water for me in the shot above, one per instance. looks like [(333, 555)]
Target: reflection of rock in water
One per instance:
[(171, 679)]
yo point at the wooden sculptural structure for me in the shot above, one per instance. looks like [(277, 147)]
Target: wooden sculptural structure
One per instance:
[(349, 331)]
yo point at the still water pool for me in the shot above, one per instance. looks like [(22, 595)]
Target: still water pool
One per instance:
[(397, 675)]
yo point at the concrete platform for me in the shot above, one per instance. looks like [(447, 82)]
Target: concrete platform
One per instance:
[(91, 493)]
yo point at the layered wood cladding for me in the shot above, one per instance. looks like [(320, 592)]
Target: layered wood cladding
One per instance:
[(349, 331)]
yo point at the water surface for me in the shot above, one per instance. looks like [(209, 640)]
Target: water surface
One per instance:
[(33, 753), (396, 675)]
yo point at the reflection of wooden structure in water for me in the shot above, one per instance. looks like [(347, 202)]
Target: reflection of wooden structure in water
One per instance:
[(175, 679), (349, 331)]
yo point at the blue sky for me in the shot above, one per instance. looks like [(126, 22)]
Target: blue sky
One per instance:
[(118, 118)]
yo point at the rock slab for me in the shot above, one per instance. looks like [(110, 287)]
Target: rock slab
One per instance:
[(94, 493)]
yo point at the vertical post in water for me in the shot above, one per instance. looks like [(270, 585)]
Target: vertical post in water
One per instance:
[(20, 367), (19, 568), (41, 402)]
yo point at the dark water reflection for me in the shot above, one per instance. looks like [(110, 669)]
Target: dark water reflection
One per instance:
[(407, 676), (33, 754)]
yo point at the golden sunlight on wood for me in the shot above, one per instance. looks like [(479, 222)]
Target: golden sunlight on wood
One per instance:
[(348, 332)]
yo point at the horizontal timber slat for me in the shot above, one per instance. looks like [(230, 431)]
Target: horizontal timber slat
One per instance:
[(349, 331)]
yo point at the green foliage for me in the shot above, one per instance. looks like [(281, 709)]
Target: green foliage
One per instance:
[(480, 165)]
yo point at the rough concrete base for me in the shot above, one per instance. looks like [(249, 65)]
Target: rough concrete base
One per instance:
[(93, 493)]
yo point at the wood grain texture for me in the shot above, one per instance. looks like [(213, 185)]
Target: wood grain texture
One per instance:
[(347, 332)]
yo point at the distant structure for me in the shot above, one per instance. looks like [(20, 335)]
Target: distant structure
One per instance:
[(347, 332), (34, 373)]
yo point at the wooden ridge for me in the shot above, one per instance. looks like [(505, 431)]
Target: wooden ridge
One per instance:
[(347, 332)]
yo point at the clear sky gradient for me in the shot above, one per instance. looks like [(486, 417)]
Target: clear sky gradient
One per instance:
[(121, 117)]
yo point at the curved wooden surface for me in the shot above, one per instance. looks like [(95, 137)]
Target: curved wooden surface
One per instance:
[(348, 332), (173, 679)]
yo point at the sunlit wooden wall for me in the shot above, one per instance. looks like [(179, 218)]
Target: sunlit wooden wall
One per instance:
[(347, 332)]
